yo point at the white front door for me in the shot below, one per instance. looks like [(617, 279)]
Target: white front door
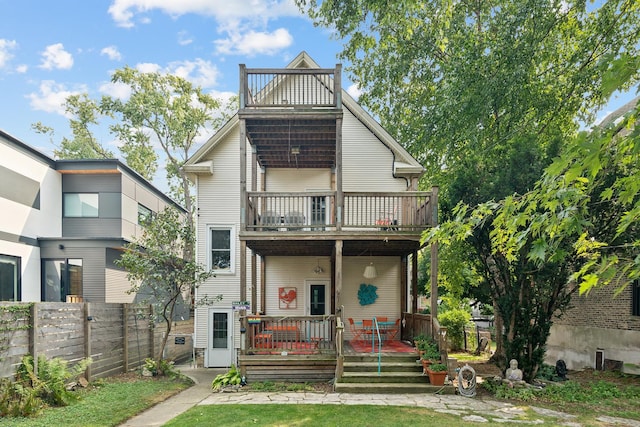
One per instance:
[(219, 352)]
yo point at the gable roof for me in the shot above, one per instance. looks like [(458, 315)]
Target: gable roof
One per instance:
[(404, 163)]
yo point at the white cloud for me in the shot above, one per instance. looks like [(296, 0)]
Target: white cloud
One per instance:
[(253, 43), (123, 12), (22, 68), (55, 56), (148, 67), (6, 46), (51, 97), (184, 39), (115, 90), (111, 52), (354, 91), (199, 72)]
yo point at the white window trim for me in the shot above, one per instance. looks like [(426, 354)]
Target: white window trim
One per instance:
[(232, 248)]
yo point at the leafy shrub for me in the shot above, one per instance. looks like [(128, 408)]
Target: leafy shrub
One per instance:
[(164, 367), (232, 377), (50, 382), (455, 320), (17, 400), (438, 367)]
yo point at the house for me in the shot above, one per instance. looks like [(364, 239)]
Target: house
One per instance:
[(65, 222), (309, 214), (601, 330)]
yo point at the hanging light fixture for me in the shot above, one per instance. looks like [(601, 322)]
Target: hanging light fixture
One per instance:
[(318, 269), (370, 271)]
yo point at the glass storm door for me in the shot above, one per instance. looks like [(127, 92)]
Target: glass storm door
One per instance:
[(220, 339)]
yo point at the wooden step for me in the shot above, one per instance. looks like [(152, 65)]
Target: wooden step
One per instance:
[(411, 366), (392, 388), (384, 377)]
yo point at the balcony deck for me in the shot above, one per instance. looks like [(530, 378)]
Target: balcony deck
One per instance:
[(310, 222)]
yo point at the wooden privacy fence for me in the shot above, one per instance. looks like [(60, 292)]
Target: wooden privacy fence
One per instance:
[(117, 337)]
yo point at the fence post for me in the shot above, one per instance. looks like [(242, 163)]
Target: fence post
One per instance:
[(125, 336), (152, 332), (33, 336), (87, 338)]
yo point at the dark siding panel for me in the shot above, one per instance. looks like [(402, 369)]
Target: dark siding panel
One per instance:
[(82, 183), (91, 227)]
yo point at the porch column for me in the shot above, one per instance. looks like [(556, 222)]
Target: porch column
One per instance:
[(243, 174), (254, 283), (414, 282), (339, 195), (338, 275)]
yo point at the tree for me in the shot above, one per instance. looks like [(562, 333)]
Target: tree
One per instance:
[(83, 145), (155, 262), (490, 92)]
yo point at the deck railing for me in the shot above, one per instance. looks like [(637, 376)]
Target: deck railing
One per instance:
[(294, 334), (313, 211), (285, 88)]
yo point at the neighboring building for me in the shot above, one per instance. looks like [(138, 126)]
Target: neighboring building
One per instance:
[(65, 222), (601, 330), (297, 195)]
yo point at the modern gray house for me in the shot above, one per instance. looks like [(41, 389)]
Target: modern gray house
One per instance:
[(65, 222)]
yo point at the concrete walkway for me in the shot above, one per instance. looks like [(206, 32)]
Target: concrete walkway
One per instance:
[(469, 409)]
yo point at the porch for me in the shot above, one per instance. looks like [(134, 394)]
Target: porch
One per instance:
[(313, 348)]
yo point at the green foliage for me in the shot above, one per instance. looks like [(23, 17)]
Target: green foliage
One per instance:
[(231, 377), (16, 400), (163, 367), (438, 367), (157, 262), (278, 386), (12, 318), (51, 379), (430, 349), (455, 321)]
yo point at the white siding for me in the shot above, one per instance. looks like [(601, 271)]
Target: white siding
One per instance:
[(290, 180), (367, 164)]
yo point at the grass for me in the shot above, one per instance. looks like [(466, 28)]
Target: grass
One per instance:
[(319, 416), (106, 403)]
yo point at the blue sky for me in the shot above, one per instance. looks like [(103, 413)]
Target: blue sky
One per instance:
[(50, 49)]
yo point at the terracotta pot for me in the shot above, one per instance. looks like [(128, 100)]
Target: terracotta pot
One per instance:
[(425, 364), (436, 378)]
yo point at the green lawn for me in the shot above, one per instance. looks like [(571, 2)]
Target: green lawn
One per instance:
[(321, 415), (107, 403)]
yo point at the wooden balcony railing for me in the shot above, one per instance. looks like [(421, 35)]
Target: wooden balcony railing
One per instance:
[(317, 211), (284, 88), (295, 334)]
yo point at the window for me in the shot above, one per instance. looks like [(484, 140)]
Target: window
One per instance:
[(80, 205), (145, 215), (61, 277), (635, 298), (10, 286), (221, 244)]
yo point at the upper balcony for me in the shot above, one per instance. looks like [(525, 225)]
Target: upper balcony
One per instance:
[(291, 114)]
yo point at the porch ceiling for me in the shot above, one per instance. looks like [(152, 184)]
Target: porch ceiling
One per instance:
[(292, 247), (293, 142)]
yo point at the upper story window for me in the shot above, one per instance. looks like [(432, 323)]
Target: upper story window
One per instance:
[(80, 205), (635, 298), (145, 215), (221, 249), (10, 287)]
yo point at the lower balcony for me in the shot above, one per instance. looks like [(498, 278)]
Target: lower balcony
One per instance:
[(409, 212)]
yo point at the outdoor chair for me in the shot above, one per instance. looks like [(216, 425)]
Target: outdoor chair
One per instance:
[(393, 331), (355, 331), (294, 220), (270, 221)]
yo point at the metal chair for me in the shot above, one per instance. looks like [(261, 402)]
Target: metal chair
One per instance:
[(294, 220), (392, 332), (270, 221), (356, 332)]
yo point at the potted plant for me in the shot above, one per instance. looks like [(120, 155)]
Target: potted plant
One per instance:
[(437, 373), (429, 356)]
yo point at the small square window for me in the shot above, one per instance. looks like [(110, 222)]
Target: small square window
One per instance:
[(145, 215), (81, 205)]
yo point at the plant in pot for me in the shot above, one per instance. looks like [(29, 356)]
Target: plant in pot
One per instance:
[(431, 355), (437, 373)]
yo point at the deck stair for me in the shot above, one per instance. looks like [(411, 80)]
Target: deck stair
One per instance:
[(399, 373)]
